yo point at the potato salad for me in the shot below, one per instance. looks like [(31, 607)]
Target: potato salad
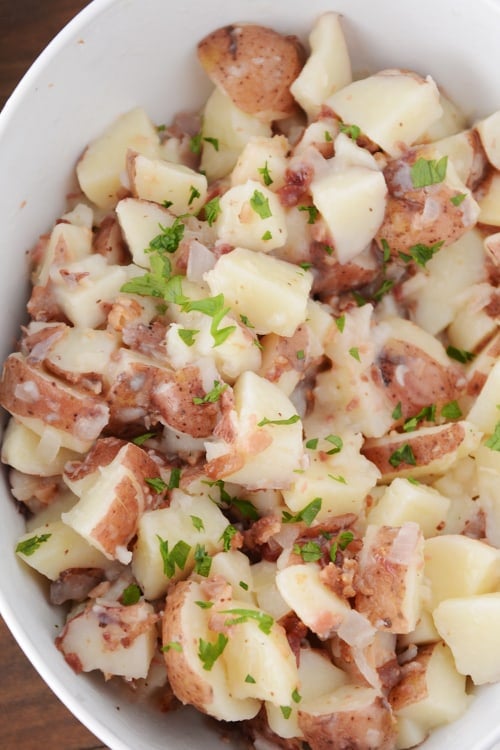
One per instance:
[(254, 414)]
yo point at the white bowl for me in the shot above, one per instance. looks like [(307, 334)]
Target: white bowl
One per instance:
[(120, 53)]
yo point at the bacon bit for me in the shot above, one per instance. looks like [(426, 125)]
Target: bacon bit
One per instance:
[(297, 182), (295, 631), (42, 305), (261, 531)]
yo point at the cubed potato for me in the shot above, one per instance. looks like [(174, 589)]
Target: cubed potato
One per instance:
[(140, 222), (271, 293), (475, 322), (266, 592), (464, 151), (31, 453), (318, 677), (348, 715), (328, 67), (101, 166), (44, 404), (263, 160), (235, 568), (391, 567), (489, 133), (404, 501), (182, 188), (316, 604), (425, 632), (266, 446), (116, 639), (429, 695), (54, 547), (488, 481), (113, 498), (81, 355), (67, 243), (484, 413), (342, 480), (393, 107), (347, 395), (203, 684), (427, 452), (459, 566), (488, 198), (225, 131), (352, 203), (470, 626), (451, 122), (83, 288), (251, 216), (436, 294), (265, 656), (174, 525)]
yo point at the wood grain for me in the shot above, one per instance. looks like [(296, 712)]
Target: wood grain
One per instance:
[(30, 715)]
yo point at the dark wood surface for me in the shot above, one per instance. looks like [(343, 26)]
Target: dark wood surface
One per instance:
[(30, 715)]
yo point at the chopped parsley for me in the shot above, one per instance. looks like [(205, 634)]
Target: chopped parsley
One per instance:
[(141, 439), (383, 289), (403, 455), (343, 540), (353, 131), (212, 210), (130, 595), (307, 514), (171, 646), (246, 508), (493, 442), (312, 444), (458, 198), (267, 236), (227, 536), (460, 355), (286, 711), (290, 420), (340, 323), (169, 238), (427, 413), (177, 557), (264, 621), (246, 322), (451, 410), (420, 253), (198, 523), (296, 696), (309, 552), (266, 177), (193, 194), (175, 478), (250, 679), (300, 354), (213, 142), (156, 483), (208, 653), (214, 308), (204, 605), (337, 442), (188, 335), (398, 411), (260, 204), (428, 171), (213, 395), (202, 561), (338, 478), (312, 211), (354, 352)]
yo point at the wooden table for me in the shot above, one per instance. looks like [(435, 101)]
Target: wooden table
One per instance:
[(30, 715)]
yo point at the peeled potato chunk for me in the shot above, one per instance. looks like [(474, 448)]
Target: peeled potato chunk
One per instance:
[(470, 626), (255, 66)]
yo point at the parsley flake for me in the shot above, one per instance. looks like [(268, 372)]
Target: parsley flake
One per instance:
[(141, 439), (227, 536), (340, 323), (212, 210), (198, 523), (266, 177), (264, 621), (458, 198), (177, 557), (451, 410), (312, 211), (403, 455), (307, 514), (460, 355), (428, 171), (260, 204), (188, 335), (156, 483), (493, 442), (309, 552), (213, 395), (353, 131), (290, 420), (202, 561), (130, 595), (398, 411), (208, 653), (354, 352)]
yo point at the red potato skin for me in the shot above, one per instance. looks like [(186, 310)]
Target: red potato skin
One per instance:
[(69, 410), (185, 683), (426, 448), (261, 86), (370, 728)]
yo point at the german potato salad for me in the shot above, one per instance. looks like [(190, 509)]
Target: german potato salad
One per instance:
[(255, 412)]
